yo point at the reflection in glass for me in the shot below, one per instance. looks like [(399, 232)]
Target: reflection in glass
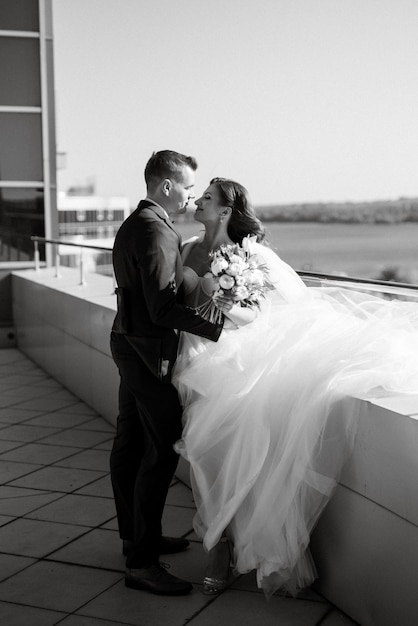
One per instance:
[(19, 72), (21, 216), (21, 146), (19, 15)]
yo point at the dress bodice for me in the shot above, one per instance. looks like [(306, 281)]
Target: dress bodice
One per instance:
[(197, 289)]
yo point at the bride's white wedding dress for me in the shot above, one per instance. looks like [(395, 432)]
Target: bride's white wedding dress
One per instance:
[(270, 412)]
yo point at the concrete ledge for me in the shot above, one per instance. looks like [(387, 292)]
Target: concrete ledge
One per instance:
[(365, 545), (65, 327)]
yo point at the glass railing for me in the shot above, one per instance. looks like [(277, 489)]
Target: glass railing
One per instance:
[(92, 259)]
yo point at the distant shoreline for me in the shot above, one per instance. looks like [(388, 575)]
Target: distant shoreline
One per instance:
[(375, 212)]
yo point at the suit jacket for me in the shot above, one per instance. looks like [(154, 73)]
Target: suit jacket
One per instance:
[(149, 273)]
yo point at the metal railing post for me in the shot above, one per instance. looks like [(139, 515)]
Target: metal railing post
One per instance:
[(36, 255), (57, 261), (82, 281)]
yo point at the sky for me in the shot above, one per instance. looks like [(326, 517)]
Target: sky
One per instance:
[(298, 100)]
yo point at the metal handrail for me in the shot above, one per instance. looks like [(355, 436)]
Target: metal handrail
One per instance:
[(353, 279), (372, 284), (59, 242)]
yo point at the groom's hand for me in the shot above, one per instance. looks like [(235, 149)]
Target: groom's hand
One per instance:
[(222, 302)]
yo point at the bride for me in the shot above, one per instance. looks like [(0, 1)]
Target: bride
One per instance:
[(269, 410)]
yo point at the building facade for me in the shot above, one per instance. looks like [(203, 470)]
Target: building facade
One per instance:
[(27, 129), (90, 217)]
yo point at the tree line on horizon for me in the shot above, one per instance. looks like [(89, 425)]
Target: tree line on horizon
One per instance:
[(377, 212)]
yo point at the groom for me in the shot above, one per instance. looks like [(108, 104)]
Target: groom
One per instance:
[(144, 339)]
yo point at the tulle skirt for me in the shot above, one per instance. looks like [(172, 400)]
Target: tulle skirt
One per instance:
[(270, 416)]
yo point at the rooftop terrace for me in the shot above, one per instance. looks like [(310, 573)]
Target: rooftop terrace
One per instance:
[(60, 553), (58, 405)]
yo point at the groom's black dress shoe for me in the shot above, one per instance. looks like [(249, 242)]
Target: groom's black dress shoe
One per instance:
[(168, 545), (156, 580)]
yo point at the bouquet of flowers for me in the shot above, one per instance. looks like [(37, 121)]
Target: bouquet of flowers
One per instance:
[(238, 273)]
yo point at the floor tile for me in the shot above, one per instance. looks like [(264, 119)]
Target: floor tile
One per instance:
[(83, 409), (10, 400), (59, 420), (19, 379), (10, 470), (180, 495), (128, 606), (111, 524), (33, 538), (10, 355), (18, 501), (99, 424), (10, 564), (105, 445), (88, 511), (58, 479), (87, 459), (27, 393), (237, 608), (63, 512), (57, 586), (80, 620), (98, 548), (76, 438), (9, 445), (38, 453), (50, 402), (101, 487), (19, 615), (335, 618), (16, 416), (177, 520), (22, 432), (248, 582)]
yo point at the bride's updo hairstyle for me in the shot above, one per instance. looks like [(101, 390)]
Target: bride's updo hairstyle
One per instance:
[(243, 220)]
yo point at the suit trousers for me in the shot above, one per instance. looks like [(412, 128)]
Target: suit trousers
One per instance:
[(142, 460)]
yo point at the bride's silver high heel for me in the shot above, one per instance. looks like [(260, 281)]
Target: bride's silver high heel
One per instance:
[(219, 562)]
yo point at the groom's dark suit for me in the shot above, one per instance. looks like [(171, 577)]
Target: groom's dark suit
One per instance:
[(148, 270)]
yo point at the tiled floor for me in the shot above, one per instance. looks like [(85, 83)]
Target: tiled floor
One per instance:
[(60, 554)]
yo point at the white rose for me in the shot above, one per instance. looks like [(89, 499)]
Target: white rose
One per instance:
[(217, 266), (226, 282), (234, 269)]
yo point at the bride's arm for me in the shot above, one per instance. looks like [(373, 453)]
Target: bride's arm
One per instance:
[(241, 315)]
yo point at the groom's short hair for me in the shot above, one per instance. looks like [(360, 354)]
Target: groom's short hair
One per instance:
[(167, 164)]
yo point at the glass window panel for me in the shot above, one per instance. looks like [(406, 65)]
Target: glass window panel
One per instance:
[(19, 72), (19, 15), (21, 216), (20, 146)]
